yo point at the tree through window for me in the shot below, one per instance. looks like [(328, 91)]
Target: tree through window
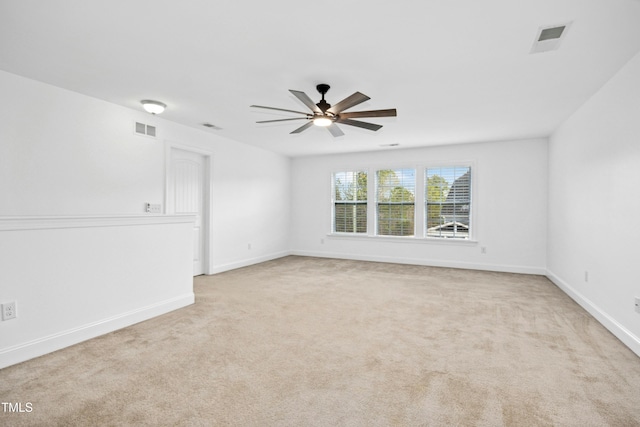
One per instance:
[(395, 202), (350, 202)]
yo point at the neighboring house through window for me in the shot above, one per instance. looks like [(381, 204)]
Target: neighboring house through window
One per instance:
[(448, 202), (445, 193)]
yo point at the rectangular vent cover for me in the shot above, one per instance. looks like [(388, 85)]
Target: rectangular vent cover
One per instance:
[(551, 33), (210, 126), (144, 129), (549, 37)]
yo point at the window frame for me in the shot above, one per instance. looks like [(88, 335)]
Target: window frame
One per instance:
[(377, 202), (420, 234), (470, 225), (334, 201)]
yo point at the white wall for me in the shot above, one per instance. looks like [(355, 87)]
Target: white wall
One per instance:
[(65, 154), (62, 153), (594, 204), (251, 191), (510, 185), (74, 278)]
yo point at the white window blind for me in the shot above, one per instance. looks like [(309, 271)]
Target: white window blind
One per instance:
[(350, 202), (448, 202), (395, 202)]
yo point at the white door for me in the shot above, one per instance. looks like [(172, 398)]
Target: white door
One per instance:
[(186, 195)]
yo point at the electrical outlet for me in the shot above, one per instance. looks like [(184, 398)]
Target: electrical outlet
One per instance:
[(483, 250), (638, 304), (8, 310), (586, 276), (249, 246)]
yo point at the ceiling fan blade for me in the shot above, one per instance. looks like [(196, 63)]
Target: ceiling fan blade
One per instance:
[(278, 109), (282, 120), (335, 130), (359, 124), (306, 100), (348, 102), (303, 127), (372, 113)]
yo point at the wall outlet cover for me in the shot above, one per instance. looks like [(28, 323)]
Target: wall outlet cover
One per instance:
[(8, 310)]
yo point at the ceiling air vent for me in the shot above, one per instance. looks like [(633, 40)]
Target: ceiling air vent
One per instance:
[(549, 37), (210, 126), (143, 129)]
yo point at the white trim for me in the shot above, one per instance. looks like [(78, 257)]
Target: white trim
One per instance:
[(247, 262), (402, 239), (332, 192), (426, 262), (53, 222), (207, 219), (186, 147), (374, 231), (622, 333), (471, 164), (38, 347), (420, 169)]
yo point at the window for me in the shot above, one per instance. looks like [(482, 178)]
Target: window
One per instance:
[(448, 202), (395, 202), (350, 202)]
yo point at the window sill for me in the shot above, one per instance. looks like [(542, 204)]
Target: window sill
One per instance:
[(404, 239)]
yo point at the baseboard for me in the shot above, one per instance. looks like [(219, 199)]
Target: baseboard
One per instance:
[(622, 333), (426, 262), (247, 262), (29, 350)]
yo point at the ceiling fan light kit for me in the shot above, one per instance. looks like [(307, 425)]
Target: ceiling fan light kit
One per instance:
[(322, 121), (325, 115)]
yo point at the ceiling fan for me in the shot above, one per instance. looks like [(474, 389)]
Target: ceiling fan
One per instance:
[(324, 114)]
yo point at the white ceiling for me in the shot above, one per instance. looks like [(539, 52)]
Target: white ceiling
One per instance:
[(457, 70)]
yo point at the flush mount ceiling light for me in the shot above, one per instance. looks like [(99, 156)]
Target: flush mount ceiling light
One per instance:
[(153, 107)]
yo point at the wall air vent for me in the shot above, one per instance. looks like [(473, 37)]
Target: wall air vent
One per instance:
[(144, 129), (549, 37)]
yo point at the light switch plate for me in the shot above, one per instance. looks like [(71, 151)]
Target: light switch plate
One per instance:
[(153, 208)]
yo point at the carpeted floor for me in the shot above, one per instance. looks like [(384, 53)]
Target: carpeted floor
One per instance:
[(322, 342)]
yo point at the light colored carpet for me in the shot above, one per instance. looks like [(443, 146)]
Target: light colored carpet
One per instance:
[(322, 342)]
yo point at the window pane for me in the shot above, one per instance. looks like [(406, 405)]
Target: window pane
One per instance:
[(350, 217), (350, 202), (395, 202), (448, 202)]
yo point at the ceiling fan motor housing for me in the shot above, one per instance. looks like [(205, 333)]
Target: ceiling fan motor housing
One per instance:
[(323, 105)]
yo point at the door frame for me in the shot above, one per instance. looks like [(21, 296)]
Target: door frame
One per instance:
[(207, 203)]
